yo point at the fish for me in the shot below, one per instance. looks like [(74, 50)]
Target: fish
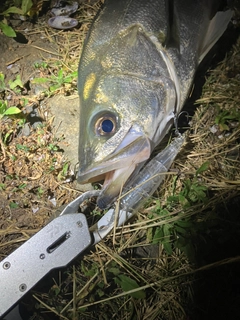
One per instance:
[(135, 72)]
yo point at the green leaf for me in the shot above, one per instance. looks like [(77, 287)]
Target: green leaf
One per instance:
[(40, 191), (158, 235), (128, 284), (2, 83), (60, 74), (161, 212), (16, 83), (204, 167), (40, 80), (7, 135), (12, 10), (22, 186), (22, 147), (168, 248), (186, 246), (41, 64), (26, 6), (70, 77), (54, 87), (184, 224), (89, 272), (115, 271), (65, 168), (167, 229), (173, 199), (3, 107), (12, 111), (223, 127), (183, 201), (7, 30), (55, 290), (100, 293), (13, 205)]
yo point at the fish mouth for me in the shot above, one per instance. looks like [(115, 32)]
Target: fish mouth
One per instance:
[(116, 168)]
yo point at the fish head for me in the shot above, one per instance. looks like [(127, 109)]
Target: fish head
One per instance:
[(127, 104), (122, 117), (133, 77)]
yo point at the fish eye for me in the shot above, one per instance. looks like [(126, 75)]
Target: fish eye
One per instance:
[(105, 125)]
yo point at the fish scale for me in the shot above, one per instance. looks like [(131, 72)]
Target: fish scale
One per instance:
[(136, 71)]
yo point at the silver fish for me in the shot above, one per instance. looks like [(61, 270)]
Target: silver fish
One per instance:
[(135, 73)]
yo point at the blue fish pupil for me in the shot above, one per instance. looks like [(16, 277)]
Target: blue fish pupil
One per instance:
[(107, 126)]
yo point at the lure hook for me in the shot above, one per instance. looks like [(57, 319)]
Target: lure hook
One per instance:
[(176, 120)]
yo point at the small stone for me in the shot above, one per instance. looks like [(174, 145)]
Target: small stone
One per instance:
[(26, 130), (15, 68), (213, 129)]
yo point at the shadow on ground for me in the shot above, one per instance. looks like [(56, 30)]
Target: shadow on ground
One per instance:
[(217, 289)]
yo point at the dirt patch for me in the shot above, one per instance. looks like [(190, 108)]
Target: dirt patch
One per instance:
[(66, 123), (39, 151), (19, 58)]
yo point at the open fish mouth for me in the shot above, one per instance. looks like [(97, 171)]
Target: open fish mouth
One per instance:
[(116, 168)]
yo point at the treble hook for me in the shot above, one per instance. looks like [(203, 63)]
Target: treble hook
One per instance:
[(176, 119)]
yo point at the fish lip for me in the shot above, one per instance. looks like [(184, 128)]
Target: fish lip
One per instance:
[(135, 144), (117, 160), (117, 167), (94, 173)]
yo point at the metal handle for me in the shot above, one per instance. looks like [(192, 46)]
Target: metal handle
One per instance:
[(54, 246)]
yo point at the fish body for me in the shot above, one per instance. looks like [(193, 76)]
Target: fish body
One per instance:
[(135, 73)]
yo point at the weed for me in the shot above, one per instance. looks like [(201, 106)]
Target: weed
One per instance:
[(2, 186), (21, 7), (224, 118), (20, 187), (52, 165), (41, 65), (13, 205), (6, 29), (89, 271), (16, 85), (40, 192), (22, 147), (63, 173), (177, 234), (193, 192), (53, 147), (57, 81), (128, 284), (7, 138), (2, 82), (5, 111)]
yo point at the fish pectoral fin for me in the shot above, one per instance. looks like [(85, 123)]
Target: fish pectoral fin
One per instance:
[(216, 28)]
